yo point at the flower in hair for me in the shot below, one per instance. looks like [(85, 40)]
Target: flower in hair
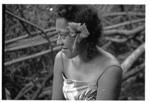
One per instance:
[(84, 31), (77, 28)]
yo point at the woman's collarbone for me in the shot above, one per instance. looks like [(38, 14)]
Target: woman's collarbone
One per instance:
[(84, 73)]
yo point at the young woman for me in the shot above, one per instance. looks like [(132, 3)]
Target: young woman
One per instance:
[(83, 70)]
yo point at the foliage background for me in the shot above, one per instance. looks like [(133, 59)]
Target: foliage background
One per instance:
[(30, 74)]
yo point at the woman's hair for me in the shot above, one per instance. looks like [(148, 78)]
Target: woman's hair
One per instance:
[(84, 14)]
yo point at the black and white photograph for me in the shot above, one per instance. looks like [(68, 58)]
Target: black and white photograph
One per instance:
[(73, 52)]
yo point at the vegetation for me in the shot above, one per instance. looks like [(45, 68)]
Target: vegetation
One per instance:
[(30, 47)]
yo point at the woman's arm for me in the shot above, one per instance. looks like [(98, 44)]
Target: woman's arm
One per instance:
[(109, 84), (57, 93)]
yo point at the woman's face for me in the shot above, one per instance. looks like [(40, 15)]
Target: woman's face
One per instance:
[(66, 41)]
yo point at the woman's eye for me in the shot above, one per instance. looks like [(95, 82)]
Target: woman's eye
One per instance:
[(63, 36)]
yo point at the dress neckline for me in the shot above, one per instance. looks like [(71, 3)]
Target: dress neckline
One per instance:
[(77, 81)]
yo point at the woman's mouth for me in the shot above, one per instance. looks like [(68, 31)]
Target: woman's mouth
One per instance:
[(65, 48)]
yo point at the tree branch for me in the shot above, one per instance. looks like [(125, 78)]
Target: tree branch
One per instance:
[(124, 23), (45, 91), (133, 72), (124, 13), (30, 42), (43, 34), (116, 40), (30, 56), (41, 87), (24, 90), (132, 58), (123, 32), (22, 23), (32, 33)]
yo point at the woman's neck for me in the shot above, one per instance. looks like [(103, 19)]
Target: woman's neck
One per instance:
[(83, 58)]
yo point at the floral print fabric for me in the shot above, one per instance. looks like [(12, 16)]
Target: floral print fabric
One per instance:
[(79, 90)]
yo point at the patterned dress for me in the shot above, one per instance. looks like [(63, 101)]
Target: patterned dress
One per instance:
[(79, 90)]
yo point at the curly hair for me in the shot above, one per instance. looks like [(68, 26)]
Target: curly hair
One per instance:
[(84, 14)]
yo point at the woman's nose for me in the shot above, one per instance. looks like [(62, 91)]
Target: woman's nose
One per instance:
[(59, 40)]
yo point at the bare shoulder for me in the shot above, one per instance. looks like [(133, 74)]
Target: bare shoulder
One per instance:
[(58, 55), (113, 67), (112, 59), (112, 71), (111, 62), (58, 61)]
